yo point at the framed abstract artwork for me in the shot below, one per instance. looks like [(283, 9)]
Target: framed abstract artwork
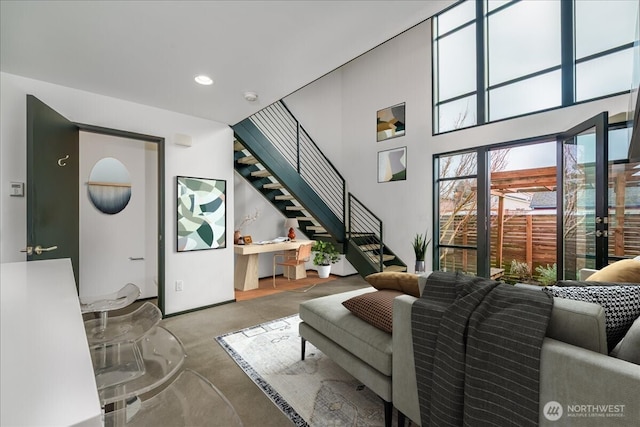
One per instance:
[(392, 165), (390, 122), (202, 213)]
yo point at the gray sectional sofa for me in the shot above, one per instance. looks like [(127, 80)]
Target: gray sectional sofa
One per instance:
[(358, 347), (577, 377)]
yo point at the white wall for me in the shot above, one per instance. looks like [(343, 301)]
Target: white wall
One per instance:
[(400, 71), (208, 279)]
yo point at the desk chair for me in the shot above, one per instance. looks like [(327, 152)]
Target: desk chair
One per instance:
[(302, 255)]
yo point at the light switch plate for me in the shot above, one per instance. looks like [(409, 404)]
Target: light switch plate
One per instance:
[(17, 189)]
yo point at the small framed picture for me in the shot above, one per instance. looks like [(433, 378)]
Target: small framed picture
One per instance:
[(392, 165), (390, 122), (248, 240)]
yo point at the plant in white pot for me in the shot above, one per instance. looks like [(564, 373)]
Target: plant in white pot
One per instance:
[(325, 255)]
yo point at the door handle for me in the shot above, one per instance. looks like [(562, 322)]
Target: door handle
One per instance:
[(38, 249), (140, 258)]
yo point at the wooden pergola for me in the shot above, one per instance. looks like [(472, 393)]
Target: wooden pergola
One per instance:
[(534, 180), (519, 181)]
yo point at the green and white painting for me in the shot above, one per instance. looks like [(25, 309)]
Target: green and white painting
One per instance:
[(392, 165), (202, 213)]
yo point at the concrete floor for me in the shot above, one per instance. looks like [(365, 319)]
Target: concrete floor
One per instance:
[(198, 329)]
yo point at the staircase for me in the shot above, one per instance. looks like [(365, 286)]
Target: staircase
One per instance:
[(366, 250), (279, 159)]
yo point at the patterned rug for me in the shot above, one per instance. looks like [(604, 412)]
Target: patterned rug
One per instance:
[(313, 392)]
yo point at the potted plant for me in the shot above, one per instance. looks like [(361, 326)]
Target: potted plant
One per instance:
[(420, 244), (325, 255)]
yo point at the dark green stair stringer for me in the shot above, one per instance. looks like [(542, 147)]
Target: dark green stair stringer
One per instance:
[(259, 146)]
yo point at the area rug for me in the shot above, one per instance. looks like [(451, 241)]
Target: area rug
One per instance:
[(313, 392)]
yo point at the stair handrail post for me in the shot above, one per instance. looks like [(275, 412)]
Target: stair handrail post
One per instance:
[(297, 143), (381, 249), (346, 210)]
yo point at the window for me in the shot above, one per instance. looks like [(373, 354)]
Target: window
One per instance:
[(498, 59), (455, 52), (604, 37), (457, 212), (508, 228)]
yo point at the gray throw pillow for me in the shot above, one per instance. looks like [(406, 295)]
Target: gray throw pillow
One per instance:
[(629, 348), (621, 305)]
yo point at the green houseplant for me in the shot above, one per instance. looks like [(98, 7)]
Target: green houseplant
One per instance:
[(420, 245), (325, 254), (548, 274)]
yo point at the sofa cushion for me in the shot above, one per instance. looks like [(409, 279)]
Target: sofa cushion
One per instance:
[(623, 271), (406, 283), (620, 303), (629, 348), (330, 318), (375, 308)]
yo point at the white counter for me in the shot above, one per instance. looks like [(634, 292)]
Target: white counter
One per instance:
[(46, 371)]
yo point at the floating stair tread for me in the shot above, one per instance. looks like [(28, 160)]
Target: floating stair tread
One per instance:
[(304, 218), (273, 186), (237, 146), (369, 247), (294, 208), (385, 257), (322, 235), (284, 197), (263, 173), (355, 234), (395, 267), (248, 160), (316, 228)]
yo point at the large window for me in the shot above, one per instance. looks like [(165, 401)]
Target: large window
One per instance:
[(499, 59), (496, 212), (457, 212)]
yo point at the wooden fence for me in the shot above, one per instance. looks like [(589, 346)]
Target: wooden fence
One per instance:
[(530, 239)]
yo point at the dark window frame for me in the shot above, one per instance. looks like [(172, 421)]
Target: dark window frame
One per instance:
[(567, 66)]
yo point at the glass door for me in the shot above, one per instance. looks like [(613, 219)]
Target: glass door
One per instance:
[(582, 197)]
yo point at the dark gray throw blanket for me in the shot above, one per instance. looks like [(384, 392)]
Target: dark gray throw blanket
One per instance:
[(477, 351)]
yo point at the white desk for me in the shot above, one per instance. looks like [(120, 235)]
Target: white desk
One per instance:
[(46, 370), (246, 272)]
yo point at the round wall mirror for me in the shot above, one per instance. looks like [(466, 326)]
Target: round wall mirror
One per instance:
[(109, 186)]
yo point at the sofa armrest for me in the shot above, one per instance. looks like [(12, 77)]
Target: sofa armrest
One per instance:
[(403, 376), (575, 322), (571, 376), (579, 323)]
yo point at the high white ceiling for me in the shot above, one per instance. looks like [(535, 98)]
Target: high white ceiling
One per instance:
[(150, 51)]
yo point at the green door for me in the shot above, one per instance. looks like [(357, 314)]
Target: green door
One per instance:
[(52, 185)]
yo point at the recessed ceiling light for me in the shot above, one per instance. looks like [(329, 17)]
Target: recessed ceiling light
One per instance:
[(204, 80)]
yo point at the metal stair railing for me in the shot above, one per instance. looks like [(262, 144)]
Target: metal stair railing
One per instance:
[(279, 139), (365, 228), (278, 125)]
